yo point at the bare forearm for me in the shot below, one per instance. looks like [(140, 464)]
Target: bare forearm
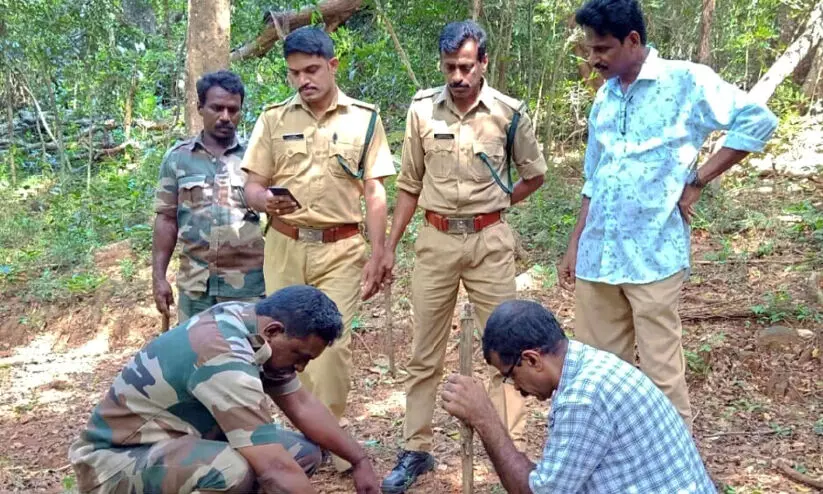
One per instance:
[(581, 222), (256, 195), (719, 163), (164, 238), (512, 466), (525, 188), (376, 212), (403, 212), (315, 421)]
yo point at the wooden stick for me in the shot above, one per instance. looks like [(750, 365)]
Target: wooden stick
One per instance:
[(165, 324), (793, 474), (466, 432), (389, 329)]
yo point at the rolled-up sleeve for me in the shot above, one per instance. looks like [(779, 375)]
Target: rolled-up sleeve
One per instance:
[(592, 157), (724, 106), (165, 197), (412, 167)]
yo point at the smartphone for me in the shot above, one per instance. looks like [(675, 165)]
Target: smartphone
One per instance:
[(282, 191)]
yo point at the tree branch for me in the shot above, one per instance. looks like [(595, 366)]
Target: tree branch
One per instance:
[(278, 24)]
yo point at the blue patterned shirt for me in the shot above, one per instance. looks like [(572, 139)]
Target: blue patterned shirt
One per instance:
[(641, 147), (612, 430)]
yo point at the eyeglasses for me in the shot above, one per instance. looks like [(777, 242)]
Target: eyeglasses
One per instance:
[(507, 377)]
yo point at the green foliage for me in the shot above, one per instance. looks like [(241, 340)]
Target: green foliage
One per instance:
[(780, 306)]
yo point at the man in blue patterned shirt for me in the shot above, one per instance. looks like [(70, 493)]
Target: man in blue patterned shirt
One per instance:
[(628, 255), (610, 428)]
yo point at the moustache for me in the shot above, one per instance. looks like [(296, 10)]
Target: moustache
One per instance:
[(599, 66), (458, 85), (307, 86), (225, 127)]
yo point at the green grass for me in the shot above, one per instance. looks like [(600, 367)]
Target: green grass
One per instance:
[(49, 227)]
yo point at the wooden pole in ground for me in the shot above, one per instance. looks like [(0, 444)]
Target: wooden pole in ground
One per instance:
[(389, 329), (466, 432)]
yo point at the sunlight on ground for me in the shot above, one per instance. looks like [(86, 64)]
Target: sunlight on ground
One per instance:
[(395, 402), (37, 375)]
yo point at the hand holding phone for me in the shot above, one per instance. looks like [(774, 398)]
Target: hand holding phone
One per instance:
[(281, 202)]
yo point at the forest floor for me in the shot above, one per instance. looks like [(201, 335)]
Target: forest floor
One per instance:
[(757, 393)]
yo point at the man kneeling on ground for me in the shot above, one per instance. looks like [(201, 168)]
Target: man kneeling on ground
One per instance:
[(610, 428), (188, 413)]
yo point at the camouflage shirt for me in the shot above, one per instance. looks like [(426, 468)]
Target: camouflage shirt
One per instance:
[(202, 378), (220, 235)]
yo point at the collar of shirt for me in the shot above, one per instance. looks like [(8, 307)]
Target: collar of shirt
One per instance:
[(198, 141), (486, 97), (340, 99), (571, 365), (649, 71), (262, 350)]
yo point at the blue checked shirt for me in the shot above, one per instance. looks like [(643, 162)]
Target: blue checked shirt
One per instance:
[(612, 430), (641, 147)]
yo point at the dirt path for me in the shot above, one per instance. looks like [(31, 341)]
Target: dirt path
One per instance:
[(753, 403)]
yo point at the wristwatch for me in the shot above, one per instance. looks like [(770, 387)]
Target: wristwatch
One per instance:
[(694, 179)]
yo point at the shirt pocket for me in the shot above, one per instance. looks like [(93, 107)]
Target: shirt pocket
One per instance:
[(439, 156), (291, 154), (480, 169), (194, 191), (237, 198), (344, 160)]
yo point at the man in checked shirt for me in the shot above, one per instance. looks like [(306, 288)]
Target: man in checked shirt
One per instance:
[(610, 429)]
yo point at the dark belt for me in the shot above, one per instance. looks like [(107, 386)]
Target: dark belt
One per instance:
[(462, 224), (324, 235)]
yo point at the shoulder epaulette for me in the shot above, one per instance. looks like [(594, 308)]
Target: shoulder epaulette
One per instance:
[(363, 104), (513, 103), (280, 103), (427, 93)]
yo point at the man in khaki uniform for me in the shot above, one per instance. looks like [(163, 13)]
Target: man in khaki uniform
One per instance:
[(328, 150), (455, 166)]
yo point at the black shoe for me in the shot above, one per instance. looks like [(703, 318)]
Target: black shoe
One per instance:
[(410, 465)]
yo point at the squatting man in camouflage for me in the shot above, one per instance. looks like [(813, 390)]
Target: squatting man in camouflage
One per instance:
[(200, 201), (189, 413)]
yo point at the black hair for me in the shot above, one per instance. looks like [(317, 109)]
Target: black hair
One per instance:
[(615, 17), (227, 80), (519, 325), (304, 311), (454, 34), (309, 40)]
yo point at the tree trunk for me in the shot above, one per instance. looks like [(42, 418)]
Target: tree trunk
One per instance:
[(207, 50), (477, 6), (704, 54), (786, 63), (10, 124), (504, 48), (811, 86), (58, 127), (128, 110), (278, 24), (397, 46)]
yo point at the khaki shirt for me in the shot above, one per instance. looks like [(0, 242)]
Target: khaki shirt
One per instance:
[(441, 149), (294, 149), (222, 245)]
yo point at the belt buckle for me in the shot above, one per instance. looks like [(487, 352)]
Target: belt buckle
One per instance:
[(310, 235), (461, 225)]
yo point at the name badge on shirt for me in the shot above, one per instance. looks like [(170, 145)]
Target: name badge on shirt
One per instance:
[(444, 136), (293, 137)]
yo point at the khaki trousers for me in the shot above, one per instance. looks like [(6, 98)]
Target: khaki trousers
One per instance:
[(335, 268), (484, 262), (615, 317)]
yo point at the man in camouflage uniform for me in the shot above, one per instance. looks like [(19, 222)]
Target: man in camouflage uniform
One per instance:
[(458, 144), (328, 150), (189, 412), (201, 201)]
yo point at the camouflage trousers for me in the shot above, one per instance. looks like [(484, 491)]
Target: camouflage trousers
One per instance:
[(189, 464), (191, 303)]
